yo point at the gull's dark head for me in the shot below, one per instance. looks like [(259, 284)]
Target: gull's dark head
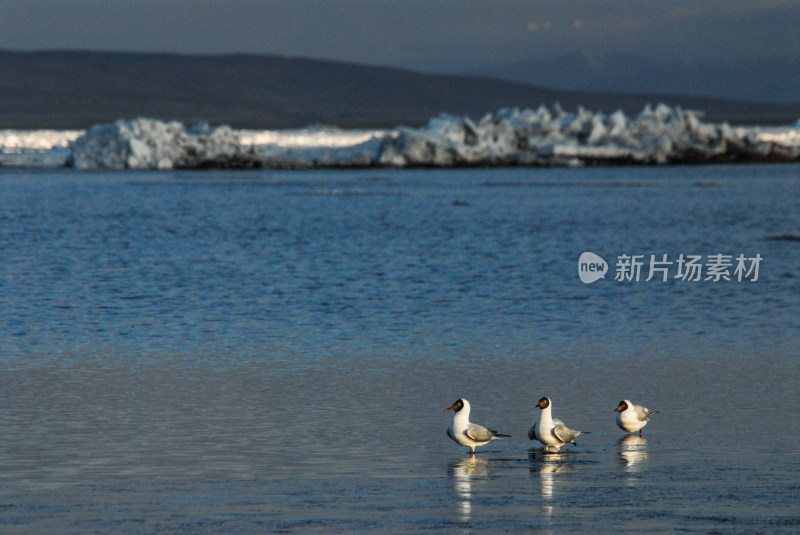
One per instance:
[(457, 406)]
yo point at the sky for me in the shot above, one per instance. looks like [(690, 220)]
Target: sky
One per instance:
[(428, 35)]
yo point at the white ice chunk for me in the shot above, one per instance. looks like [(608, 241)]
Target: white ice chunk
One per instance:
[(543, 136)]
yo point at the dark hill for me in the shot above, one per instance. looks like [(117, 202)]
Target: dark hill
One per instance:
[(775, 79), (69, 89)]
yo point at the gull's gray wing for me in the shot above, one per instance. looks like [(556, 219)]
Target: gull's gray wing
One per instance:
[(478, 433), (532, 432), (564, 433), (643, 413)]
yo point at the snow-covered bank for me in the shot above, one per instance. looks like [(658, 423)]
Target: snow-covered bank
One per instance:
[(36, 148), (545, 136), (151, 144)]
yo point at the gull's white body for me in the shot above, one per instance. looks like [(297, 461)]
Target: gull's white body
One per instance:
[(631, 417), (551, 432), (466, 433)]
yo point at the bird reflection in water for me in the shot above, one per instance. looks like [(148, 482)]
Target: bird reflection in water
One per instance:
[(463, 472), (632, 455), (548, 467)]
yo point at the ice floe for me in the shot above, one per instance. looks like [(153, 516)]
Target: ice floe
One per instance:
[(152, 144), (546, 136)]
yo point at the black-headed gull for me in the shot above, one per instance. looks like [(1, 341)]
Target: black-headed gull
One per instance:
[(551, 431), (466, 433), (631, 418)]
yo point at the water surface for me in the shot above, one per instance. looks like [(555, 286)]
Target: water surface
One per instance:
[(272, 352)]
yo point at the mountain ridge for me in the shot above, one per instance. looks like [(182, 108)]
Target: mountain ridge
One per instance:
[(78, 88), (773, 79)]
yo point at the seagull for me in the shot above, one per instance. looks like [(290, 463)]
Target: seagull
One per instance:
[(632, 418), (466, 433), (551, 431)]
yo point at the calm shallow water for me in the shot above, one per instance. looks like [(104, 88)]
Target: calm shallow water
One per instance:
[(272, 352)]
